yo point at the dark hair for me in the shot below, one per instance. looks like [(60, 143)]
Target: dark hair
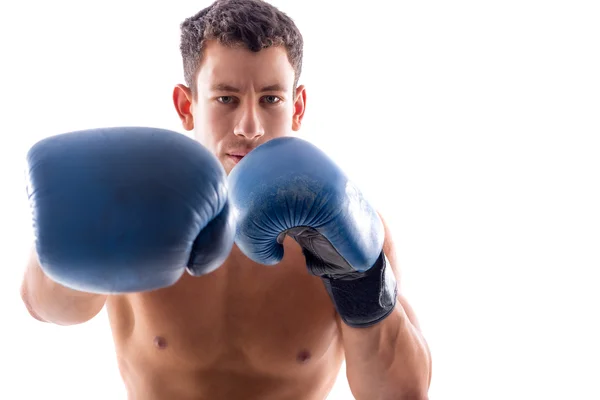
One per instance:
[(254, 24)]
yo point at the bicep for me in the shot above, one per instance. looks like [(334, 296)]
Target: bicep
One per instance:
[(30, 278), (49, 301), (389, 249)]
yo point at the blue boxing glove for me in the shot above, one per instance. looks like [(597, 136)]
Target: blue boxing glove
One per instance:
[(287, 186), (120, 210)]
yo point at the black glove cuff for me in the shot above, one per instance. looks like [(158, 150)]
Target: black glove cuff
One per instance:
[(367, 299)]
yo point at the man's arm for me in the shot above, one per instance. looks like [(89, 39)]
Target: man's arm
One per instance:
[(391, 359), (305, 195), (48, 301)]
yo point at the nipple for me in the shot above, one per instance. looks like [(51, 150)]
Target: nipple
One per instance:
[(160, 342), (303, 356)]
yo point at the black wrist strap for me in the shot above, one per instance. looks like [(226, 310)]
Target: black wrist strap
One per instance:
[(366, 299)]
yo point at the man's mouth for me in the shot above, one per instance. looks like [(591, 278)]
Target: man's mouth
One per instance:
[(236, 156)]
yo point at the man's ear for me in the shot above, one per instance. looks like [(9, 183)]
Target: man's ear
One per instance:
[(299, 107), (182, 99)]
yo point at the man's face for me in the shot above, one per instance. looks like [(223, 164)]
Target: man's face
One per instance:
[(243, 100)]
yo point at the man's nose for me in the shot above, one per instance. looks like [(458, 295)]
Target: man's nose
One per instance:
[(249, 124)]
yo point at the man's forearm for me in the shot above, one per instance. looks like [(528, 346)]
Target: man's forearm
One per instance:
[(388, 360), (51, 302)]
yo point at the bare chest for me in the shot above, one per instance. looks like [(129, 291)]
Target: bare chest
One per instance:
[(242, 317)]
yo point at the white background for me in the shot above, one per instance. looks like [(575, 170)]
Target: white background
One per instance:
[(473, 126)]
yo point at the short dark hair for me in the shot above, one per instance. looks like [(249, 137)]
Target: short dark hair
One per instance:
[(254, 24)]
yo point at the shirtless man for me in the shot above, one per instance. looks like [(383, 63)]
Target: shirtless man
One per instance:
[(143, 221)]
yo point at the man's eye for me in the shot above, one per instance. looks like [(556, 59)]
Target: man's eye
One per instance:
[(225, 99), (272, 99)]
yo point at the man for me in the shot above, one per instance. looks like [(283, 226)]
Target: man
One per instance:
[(142, 221)]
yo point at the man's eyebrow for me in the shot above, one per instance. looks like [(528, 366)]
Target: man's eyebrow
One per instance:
[(223, 87), (273, 88)]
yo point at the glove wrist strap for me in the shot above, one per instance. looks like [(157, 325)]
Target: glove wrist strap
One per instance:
[(366, 300)]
